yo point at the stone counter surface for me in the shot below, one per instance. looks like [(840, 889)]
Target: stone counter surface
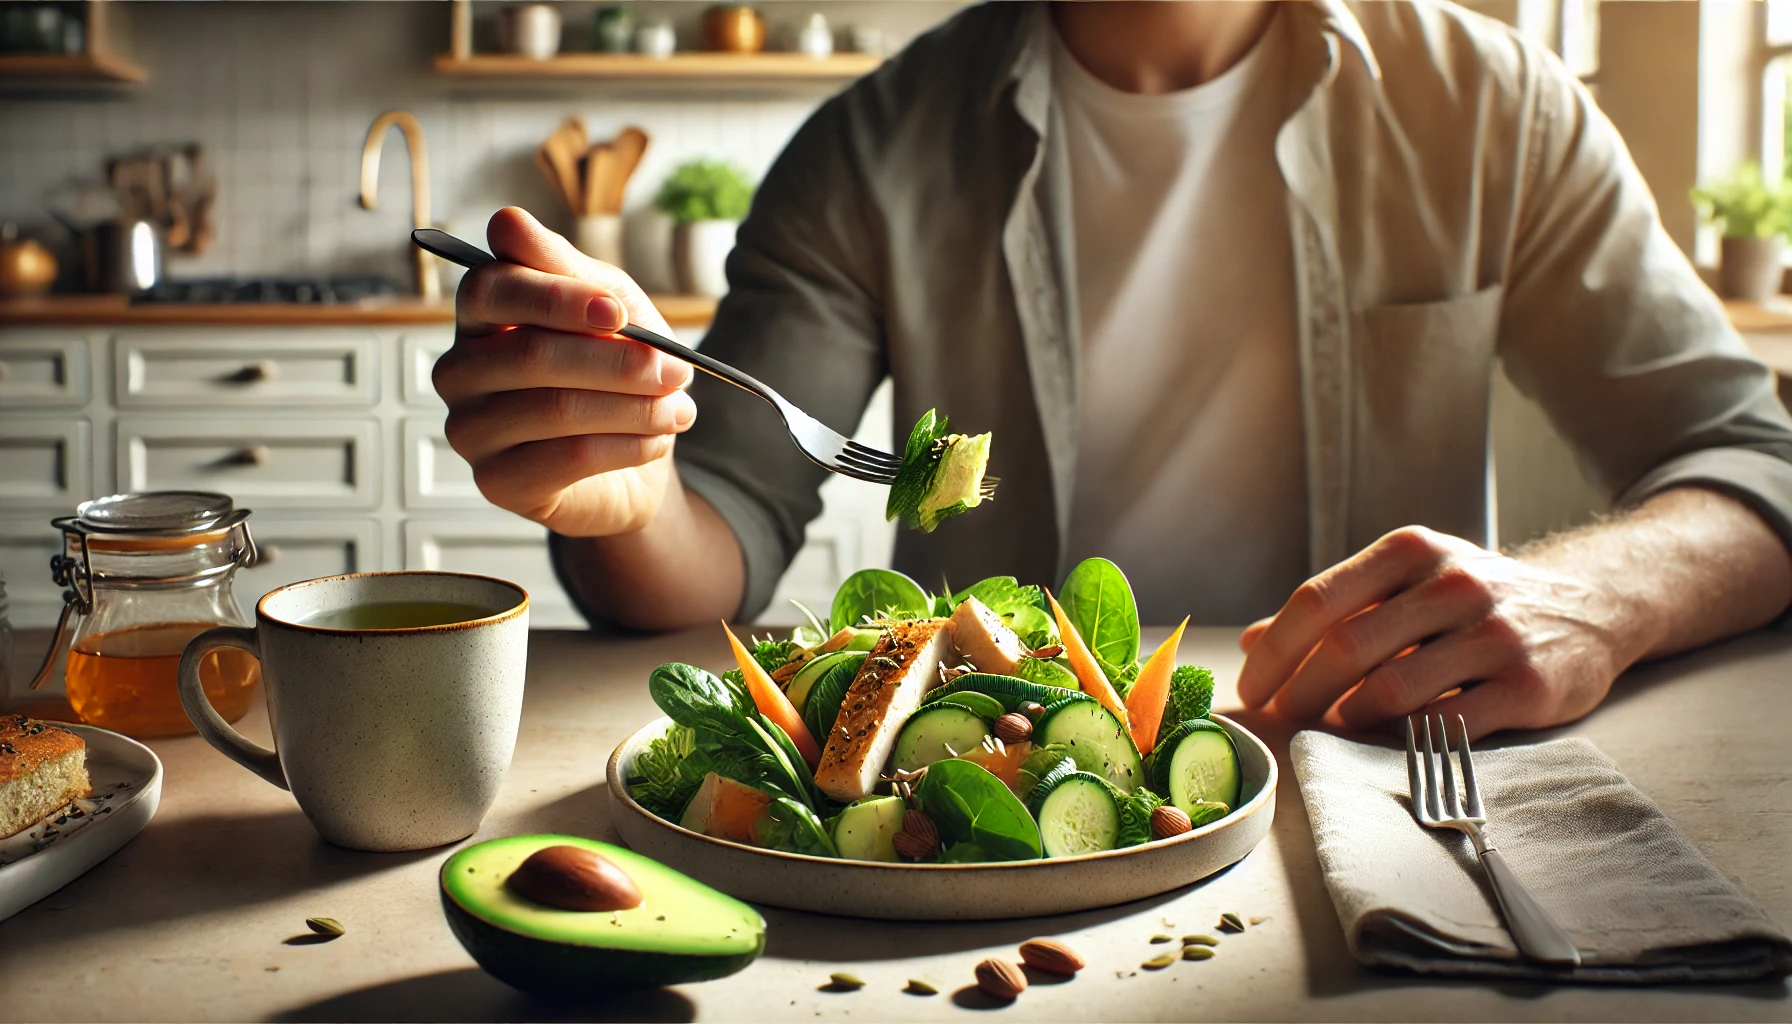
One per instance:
[(196, 918)]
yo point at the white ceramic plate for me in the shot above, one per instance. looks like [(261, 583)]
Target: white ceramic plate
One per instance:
[(945, 892), (127, 789)]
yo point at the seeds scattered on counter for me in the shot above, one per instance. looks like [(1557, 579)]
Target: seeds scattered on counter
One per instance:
[(917, 987), (326, 926), (1230, 922), (1255, 921), (1051, 956), (1160, 937), (1199, 940), (841, 982), (1197, 953), (1158, 963), (1000, 979)]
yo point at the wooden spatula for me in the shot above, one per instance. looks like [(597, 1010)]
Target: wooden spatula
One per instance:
[(600, 175), (630, 145)]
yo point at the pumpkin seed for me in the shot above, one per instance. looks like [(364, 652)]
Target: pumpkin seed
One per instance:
[(1255, 921), (845, 981), (1231, 922), (1197, 953), (1158, 963), (1199, 940), (917, 987), (1155, 939), (326, 926)]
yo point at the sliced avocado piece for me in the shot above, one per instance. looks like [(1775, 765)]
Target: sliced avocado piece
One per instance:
[(683, 930), (866, 829)]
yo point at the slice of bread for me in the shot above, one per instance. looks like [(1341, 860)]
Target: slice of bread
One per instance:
[(42, 767)]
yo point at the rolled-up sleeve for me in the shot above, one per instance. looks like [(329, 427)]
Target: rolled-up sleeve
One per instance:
[(802, 315), (1609, 327)]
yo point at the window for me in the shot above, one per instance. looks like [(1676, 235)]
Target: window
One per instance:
[(1776, 88)]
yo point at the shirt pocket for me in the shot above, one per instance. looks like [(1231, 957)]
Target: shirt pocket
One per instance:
[(1424, 375)]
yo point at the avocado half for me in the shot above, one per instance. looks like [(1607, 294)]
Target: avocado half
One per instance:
[(683, 930)]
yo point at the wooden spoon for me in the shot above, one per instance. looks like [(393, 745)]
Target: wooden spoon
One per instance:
[(600, 176), (630, 145), (565, 161)]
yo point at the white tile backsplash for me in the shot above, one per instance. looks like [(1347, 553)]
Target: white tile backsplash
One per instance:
[(281, 94)]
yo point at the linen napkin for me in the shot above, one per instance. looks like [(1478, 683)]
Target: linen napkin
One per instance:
[(1641, 903)]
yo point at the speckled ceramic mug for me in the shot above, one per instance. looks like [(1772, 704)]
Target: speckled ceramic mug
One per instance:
[(390, 739)]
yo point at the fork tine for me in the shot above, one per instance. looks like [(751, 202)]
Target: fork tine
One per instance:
[(855, 463), (1470, 790), (872, 476), (872, 455), (1431, 806), (1452, 806), (1412, 773)]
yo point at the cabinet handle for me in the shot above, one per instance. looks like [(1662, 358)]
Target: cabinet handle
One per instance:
[(254, 455), (260, 370), (267, 554)]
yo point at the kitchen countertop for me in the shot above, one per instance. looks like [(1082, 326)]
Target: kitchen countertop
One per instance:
[(679, 311), (190, 920)]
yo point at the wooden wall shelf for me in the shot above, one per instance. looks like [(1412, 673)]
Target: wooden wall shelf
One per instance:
[(678, 67), (55, 69)]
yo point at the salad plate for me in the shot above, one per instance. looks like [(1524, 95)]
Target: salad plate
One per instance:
[(945, 892), (127, 788)]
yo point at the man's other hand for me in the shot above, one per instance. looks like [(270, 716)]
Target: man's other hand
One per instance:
[(562, 422), (1419, 614)]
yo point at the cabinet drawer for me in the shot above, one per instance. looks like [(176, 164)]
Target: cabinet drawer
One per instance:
[(40, 369), (304, 549), (419, 351), (26, 547), (331, 464), (435, 476), (45, 463), (510, 548), (245, 367)]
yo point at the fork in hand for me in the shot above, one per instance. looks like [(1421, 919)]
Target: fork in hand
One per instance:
[(826, 447), (1536, 933)]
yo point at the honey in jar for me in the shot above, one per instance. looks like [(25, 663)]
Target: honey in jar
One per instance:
[(146, 574)]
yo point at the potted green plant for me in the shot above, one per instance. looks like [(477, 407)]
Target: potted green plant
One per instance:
[(707, 199), (1754, 216)]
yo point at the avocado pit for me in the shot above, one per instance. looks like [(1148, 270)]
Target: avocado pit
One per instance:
[(573, 878)]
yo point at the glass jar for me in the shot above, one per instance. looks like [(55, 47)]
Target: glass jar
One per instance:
[(145, 574)]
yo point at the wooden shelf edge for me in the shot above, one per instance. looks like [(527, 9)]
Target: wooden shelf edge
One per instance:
[(69, 69), (785, 66)]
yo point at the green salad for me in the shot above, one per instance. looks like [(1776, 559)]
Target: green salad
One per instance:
[(994, 723)]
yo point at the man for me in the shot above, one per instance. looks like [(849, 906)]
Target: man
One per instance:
[(1228, 281)]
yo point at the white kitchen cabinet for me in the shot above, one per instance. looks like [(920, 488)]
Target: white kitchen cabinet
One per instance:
[(45, 463), (304, 549), (42, 369), (434, 475), (417, 353), (301, 367), (26, 546), (262, 462), (511, 548)]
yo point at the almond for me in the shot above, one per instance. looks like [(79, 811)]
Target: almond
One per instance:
[(1001, 979), (574, 878), (1167, 821), (1052, 956), (919, 825), (1014, 727), (909, 847)]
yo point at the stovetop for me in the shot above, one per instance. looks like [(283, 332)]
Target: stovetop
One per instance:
[(310, 291)]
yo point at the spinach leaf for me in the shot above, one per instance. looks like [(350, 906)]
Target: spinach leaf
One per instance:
[(1098, 602), (694, 698), (963, 853), (822, 706), (918, 463), (1135, 814), (789, 826), (1048, 671), (876, 593), (738, 735), (969, 805), (1191, 694)]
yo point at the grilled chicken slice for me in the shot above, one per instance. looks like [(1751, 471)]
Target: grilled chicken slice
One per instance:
[(984, 639), (903, 666)]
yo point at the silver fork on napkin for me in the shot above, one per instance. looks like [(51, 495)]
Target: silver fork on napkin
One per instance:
[(1536, 933)]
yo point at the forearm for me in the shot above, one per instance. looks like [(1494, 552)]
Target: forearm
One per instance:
[(681, 569), (1685, 568)]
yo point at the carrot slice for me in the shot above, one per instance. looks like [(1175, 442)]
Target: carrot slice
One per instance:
[(771, 701), (1145, 704), (1088, 673)]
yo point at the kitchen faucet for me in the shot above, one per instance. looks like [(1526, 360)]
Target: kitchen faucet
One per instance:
[(428, 286)]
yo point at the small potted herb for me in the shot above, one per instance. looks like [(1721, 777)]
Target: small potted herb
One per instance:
[(1754, 216), (707, 199)]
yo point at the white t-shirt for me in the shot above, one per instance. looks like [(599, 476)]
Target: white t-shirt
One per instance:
[(1190, 465)]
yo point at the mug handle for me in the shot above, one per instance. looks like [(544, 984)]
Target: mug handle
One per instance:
[(211, 725)]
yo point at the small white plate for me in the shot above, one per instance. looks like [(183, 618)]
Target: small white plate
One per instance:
[(952, 892), (127, 789)]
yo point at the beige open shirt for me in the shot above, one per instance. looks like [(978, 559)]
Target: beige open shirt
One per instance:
[(1456, 202)]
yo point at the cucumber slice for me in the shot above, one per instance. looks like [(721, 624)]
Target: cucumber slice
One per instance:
[(1011, 692), (826, 696), (928, 733), (1096, 739), (806, 677), (980, 704), (866, 829), (1078, 814), (1196, 766), (1047, 672), (1040, 766)]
